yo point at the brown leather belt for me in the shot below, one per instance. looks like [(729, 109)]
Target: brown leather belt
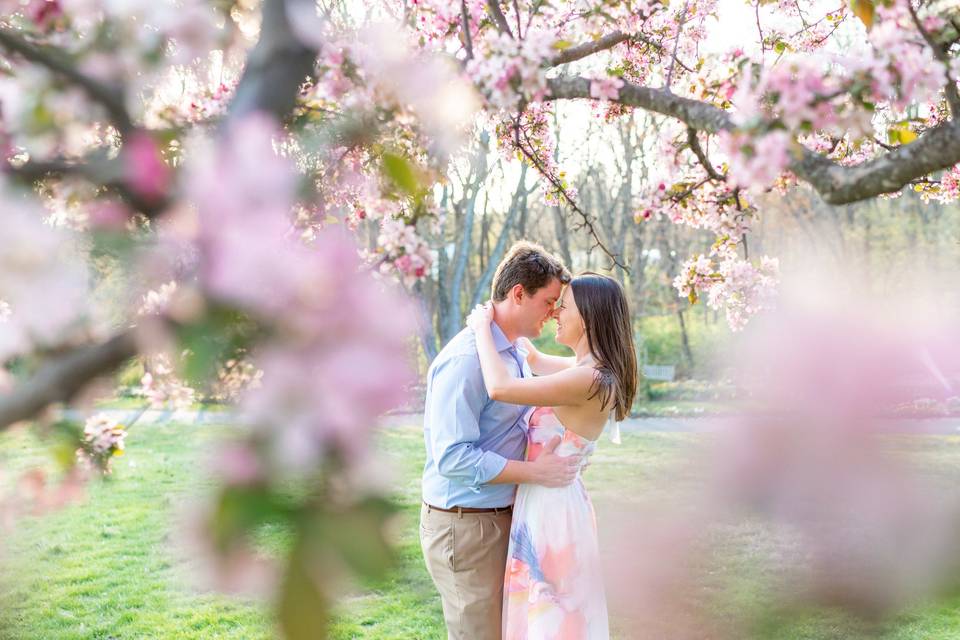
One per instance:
[(461, 510)]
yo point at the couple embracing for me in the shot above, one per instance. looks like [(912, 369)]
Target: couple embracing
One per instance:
[(507, 530)]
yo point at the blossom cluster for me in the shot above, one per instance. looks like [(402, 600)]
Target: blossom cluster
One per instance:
[(829, 94), (439, 19), (37, 492), (182, 29), (711, 206), (130, 48), (184, 99), (945, 189), (607, 88), (155, 302), (332, 321), (103, 439), (434, 109), (43, 281), (739, 287), (510, 71), (161, 385), (529, 137), (235, 378), (404, 250), (756, 160), (378, 68)]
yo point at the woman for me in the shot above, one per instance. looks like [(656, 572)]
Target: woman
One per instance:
[(553, 588)]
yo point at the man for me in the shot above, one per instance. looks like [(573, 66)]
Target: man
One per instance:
[(475, 449)]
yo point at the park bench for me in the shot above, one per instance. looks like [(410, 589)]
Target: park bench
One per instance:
[(665, 372)]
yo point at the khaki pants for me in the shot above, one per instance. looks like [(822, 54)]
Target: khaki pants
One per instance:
[(466, 555)]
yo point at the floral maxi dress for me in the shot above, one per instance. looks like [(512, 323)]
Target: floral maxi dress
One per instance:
[(553, 588)]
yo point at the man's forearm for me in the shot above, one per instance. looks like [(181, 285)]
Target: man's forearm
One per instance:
[(516, 472)]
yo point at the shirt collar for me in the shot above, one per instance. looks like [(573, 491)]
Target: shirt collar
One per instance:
[(500, 338)]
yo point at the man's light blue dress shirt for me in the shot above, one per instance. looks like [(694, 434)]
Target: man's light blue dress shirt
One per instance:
[(468, 436)]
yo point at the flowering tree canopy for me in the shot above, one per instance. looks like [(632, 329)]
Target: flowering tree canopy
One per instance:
[(855, 101), (210, 159)]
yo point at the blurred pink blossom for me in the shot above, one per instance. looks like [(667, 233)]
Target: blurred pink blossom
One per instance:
[(146, 173), (813, 478), (607, 88), (43, 280), (756, 161)]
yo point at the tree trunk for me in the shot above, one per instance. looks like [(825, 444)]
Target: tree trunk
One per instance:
[(428, 336), (443, 300), (685, 342), (517, 203), (454, 312), (478, 174), (563, 236)]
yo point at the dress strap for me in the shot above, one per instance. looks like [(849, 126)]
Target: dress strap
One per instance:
[(612, 429)]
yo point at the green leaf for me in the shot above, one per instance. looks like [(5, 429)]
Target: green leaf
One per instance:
[(67, 438), (865, 10), (112, 244), (240, 511), (357, 535), (901, 133), (401, 173), (302, 609), (210, 340)]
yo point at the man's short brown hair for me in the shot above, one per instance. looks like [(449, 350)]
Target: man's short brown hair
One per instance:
[(528, 264)]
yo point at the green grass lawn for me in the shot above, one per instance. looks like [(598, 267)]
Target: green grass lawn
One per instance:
[(109, 568)]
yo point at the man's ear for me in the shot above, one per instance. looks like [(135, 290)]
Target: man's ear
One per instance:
[(517, 293)]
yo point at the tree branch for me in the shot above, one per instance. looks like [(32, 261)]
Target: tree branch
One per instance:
[(676, 45), (586, 222), (763, 47), (465, 22), (276, 67), (603, 43), (683, 195), (701, 154), (58, 62), (936, 149), (496, 14), (60, 380), (953, 98), (579, 51), (99, 170)]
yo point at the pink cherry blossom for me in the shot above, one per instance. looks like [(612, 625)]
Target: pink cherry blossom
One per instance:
[(508, 70), (146, 172), (103, 439), (108, 215), (756, 161), (43, 281), (161, 386), (607, 88), (737, 286)]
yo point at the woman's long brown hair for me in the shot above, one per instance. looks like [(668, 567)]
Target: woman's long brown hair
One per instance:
[(606, 316)]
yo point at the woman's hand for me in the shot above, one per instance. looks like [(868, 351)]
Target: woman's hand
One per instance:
[(524, 343), (481, 316)]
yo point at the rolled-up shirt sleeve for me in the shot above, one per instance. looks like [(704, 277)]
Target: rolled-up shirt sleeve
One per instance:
[(456, 400)]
